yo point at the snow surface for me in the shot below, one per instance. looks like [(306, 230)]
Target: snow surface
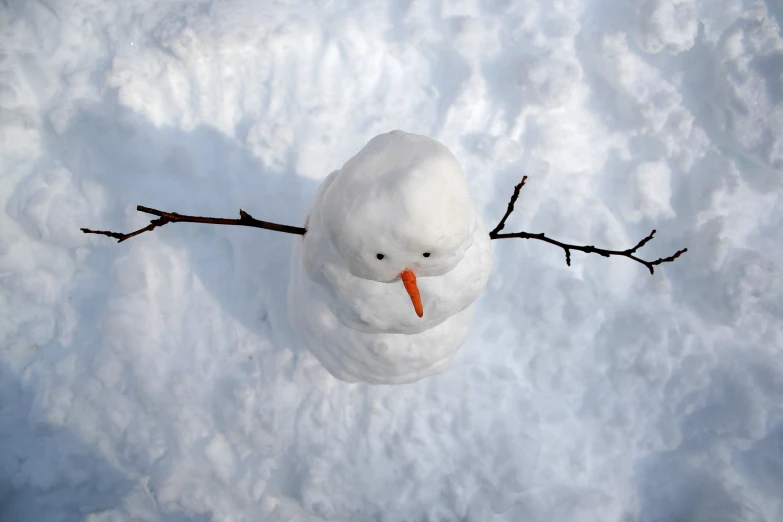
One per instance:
[(157, 380)]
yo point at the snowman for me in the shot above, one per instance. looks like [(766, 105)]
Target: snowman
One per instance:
[(392, 257), (383, 283)]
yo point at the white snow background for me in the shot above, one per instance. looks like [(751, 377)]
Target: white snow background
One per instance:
[(158, 379)]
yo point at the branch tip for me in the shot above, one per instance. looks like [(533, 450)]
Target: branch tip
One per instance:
[(502, 224)]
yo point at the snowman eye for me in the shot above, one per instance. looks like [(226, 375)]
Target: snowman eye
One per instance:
[(379, 256), (426, 254)]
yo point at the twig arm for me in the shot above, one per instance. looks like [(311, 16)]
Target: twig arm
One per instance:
[(245, 220), (588, 249)]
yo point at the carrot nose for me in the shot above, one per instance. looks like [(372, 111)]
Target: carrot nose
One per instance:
[(409, 280)]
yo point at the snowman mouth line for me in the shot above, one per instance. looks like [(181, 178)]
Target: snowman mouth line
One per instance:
[(409, 280)]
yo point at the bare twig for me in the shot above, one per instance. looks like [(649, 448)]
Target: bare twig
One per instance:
[(510, 207), (589, 249), (245, 220)]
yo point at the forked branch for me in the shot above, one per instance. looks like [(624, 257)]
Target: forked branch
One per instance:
[(588, 249), (245, 220), (509, 209)]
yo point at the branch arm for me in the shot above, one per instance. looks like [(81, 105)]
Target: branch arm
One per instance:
[(590, 249), (245, 220), (510, 208)]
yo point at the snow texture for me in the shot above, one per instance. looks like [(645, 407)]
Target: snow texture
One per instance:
[(159, 379), (401, 204)]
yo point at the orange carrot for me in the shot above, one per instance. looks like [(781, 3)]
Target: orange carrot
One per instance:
[(409, 280)]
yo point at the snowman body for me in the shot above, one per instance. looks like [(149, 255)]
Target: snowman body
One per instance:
[(400, 207)]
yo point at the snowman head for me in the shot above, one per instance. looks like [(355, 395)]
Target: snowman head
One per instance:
[(400, 209)]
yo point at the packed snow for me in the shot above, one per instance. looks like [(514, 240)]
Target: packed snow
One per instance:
[(160, 379), (391, 234)]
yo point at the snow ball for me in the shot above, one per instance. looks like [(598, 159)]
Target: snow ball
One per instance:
[(420, 185), (667, 25)]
